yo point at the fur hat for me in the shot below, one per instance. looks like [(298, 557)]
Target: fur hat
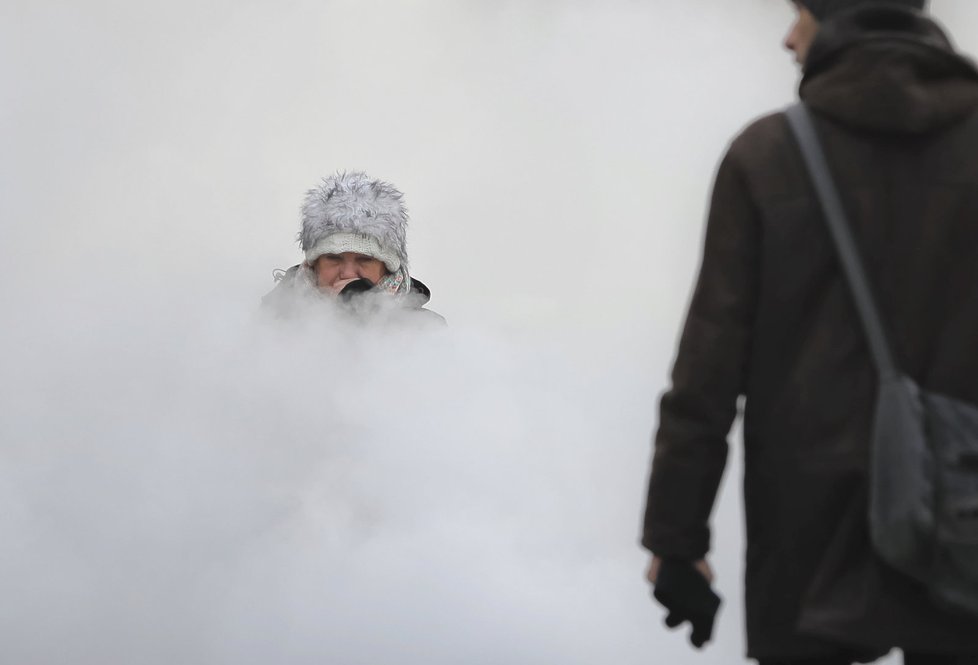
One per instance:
[(822, 9), (352, 212)]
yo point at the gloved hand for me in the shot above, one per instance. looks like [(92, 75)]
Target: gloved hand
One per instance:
[(686, 594), (355, 288)]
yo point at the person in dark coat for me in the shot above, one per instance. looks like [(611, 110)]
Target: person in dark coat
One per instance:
[(354, 237), (771, 320)]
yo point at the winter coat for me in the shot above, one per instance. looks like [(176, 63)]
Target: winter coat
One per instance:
[(772, 320), (294, 287)]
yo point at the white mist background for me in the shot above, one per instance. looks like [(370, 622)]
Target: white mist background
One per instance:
[(181, 483)]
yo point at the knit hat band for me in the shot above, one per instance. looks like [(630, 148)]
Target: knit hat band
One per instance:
[(358, 243)]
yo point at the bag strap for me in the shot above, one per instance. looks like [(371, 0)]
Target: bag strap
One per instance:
[(800, 121)]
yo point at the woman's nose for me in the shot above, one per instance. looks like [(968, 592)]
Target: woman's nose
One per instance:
[(348, 269)]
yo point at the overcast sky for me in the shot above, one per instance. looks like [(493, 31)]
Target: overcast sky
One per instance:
[(170, 472)]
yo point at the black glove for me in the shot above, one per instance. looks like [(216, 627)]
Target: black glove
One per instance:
[(686, 594), (356, 288)]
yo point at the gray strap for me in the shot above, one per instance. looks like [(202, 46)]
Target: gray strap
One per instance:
[(800, 121)]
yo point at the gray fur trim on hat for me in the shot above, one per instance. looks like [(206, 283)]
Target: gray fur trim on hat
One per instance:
[(355, 203)]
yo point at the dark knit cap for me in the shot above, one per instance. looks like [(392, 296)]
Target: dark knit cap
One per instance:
[(822, 9)]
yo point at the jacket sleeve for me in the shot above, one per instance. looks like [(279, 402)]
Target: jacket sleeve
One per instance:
[(708, 376)]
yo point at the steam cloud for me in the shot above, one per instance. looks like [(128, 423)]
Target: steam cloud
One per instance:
[(184, 481)]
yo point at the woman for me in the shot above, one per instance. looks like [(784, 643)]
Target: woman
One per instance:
[(353, 234)]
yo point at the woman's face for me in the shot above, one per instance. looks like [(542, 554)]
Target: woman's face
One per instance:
[(334, 271)]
